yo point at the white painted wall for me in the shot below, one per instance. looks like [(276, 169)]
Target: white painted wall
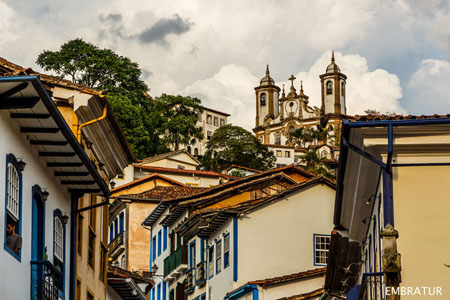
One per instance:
[(184, 178), (278, 291), (15, 276)]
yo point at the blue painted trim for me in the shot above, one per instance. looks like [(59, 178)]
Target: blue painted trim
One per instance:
[(58, 213), (154, 248), (211, 261), (242, 291), (192, 258), (158, 291), (10, 158), (151, 248), (314, 248), (121, 221), (159, 242), (164, 291), (165, 233), (226, 256), (235, 249)]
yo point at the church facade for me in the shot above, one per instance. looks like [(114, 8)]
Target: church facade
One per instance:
[(278, 116)]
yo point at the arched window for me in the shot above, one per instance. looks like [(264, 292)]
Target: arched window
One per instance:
[(263, 99), (277, 139), (343, 89), (196, 151), (329, 88), (189, 149), (291, 130), (324, 154), (13, 203)]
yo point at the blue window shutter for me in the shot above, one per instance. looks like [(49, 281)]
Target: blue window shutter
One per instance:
[(121, 217), (111, 232), (202, 249), (159, 243), (165, 238), (154, 248), (164, 292), (158, 292), (116, 227)]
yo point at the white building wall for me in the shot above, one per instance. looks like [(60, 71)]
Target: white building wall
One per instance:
[(278, 291), (285, 232), (185, 178), (15, 276)]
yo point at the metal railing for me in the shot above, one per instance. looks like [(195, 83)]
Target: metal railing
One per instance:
[(46, 280), (189, 283), (373, 286), (175, 259), (115, 243)]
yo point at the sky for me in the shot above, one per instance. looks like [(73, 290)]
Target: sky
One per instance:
[(396, 54)]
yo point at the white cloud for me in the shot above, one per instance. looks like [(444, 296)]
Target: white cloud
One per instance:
[(6, 18), (231, 88), (429, 92)]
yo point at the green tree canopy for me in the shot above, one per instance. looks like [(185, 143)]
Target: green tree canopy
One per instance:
[(235, 145), (150, 126)]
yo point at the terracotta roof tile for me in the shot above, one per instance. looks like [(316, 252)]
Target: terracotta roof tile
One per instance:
[(180, 171), (241, 167), (305, 296), (394, 117), (144, 179), (166, 193)]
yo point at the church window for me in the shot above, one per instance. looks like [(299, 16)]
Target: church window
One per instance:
[(189, 149), (291, 104), (329, 88), (324, 154), (263, 99), (278, 139), (291, 130), (343, 89), (196, 151)]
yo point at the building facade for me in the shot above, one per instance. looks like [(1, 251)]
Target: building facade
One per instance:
[(278, 116)]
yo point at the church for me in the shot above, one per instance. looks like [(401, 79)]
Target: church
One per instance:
[(277, 117)]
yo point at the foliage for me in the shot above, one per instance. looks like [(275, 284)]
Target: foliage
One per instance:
[(374, 112), (237, 173), (314, 164), (150, 126), (178, 126), (235, 145)]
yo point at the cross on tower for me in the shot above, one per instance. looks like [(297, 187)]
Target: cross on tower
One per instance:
[(292, 78)]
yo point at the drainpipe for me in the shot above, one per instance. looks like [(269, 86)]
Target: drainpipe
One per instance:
[(73, 244), (91, 122)]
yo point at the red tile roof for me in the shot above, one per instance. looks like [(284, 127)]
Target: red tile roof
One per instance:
[(166, 155), (166, 193), (145, 179), (180, 171), (241, 167), (395, 117), (291, 277), (305, 296)]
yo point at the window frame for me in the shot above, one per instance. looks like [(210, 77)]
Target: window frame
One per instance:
[(159, 242), (262, 99), (329, 90), (91, 260), (222, 122), (211, 262), (320, 250), (287, 154), (11, 160), (226, 253), (216, 121), (219, 256)]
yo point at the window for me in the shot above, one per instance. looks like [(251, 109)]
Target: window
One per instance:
[(111, 232), (103, 257), (343, 89), (321, 247), (159, 242), (13, 191), (226, 250), (78, 289), (263, 99), (196, 151), (164, 238), (291, 130), (210, 261), (121, 221), (91, 248), (89, 296), (209, 119), (218, 256), (199, 117), (277, 139), (329, 88), (58, 240), (80, 234), (192, 184), (93, 212), (216, 121), (222, 121), (158, 291), (209, 134), (154, 248), (192, 256), (121, 176), (279, 153), (180, 167), (189, 149), (324, 154), (287, 154)]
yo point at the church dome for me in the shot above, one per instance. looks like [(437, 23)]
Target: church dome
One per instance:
[(267, 80), (332, 67)]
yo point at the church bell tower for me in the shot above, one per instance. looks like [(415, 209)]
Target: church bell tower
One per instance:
[(333, 89), (267, 99)]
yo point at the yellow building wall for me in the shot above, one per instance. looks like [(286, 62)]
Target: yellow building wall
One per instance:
[(422, 218), (138, 243), (90, 277)]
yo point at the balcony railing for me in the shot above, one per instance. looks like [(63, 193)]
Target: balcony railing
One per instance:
[(115, 244), (189, 284), (46, 280), (372, 287), (200, 277), (176, 262)]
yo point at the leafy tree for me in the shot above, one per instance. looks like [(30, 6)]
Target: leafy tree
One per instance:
[(237, 173), (180, 118), (235, 145), (314, 164)]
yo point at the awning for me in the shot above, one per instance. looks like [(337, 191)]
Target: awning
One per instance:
[(37, 117), (126, 288)]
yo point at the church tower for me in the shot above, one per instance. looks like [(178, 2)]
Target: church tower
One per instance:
[(267, 99), (333, 89)]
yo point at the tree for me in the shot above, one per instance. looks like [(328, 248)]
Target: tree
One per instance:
[(235, 145), (150, 126), (314, 164), (180, 118)]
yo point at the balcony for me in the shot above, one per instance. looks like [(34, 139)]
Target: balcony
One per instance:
[(46, 280), (116, 246), (373, 286), (189, 283), (200, 277), (176, 263)]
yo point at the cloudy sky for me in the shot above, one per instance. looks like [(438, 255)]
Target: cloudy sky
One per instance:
[(396, 54)]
